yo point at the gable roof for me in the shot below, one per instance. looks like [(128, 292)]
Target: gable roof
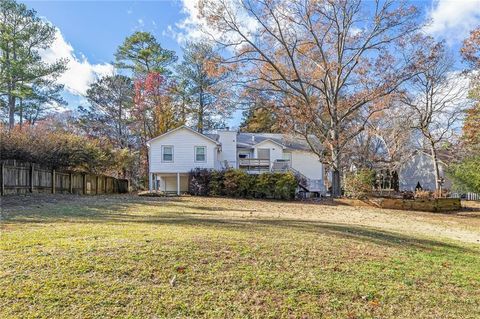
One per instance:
[(270, 140), (179, 128), (290, 142)]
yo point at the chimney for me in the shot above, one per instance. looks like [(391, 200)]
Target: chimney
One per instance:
[(253, 138)]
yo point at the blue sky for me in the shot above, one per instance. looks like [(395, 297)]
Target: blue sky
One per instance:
[(90, 31)]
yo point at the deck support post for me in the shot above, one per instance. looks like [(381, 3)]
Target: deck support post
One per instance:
[(178, 184), (150, 181)]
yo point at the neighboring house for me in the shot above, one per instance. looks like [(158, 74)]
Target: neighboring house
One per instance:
[(419, 169), (174, 154)]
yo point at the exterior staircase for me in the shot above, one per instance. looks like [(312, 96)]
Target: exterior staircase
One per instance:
[(309, 185)]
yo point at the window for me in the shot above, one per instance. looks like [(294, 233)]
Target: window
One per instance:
[(167, 153), (200, 153)]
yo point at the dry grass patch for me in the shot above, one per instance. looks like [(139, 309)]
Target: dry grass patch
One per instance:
[(125, 256)]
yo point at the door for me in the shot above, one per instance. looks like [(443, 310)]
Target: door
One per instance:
[(263, 153)]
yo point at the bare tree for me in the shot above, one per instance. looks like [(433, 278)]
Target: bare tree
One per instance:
[(386, 141), (331, 60), (436, 98)]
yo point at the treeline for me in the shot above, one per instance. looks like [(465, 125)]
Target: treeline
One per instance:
[(364, 100)]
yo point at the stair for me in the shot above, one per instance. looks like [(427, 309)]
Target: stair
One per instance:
[(309, 185)]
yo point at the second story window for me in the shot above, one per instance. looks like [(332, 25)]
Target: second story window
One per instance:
[(200, 153), (167, 153)]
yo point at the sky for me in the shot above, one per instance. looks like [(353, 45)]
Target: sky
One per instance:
[(89, 32)]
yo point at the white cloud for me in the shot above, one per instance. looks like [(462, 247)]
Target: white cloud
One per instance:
[(453, 19), (80, 73), (194, 28)]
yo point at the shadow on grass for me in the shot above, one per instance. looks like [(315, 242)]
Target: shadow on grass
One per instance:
[(178, 214)]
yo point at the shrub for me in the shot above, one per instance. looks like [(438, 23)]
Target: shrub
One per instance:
[(237, 183), (285, 185), (466, 175), (360, 183), (215, 184), (198, 181)]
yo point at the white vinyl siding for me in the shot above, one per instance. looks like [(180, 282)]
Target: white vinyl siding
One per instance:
[(200, 154), (308, 164), (184, 142)]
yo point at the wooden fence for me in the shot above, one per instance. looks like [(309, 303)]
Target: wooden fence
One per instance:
[(22, 177)]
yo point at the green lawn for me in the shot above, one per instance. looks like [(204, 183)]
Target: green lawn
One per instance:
[(116, 256)]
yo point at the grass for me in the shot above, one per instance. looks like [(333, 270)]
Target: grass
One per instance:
[(116, 256)]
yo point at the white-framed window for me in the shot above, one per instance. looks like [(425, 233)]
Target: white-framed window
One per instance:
[(200, 153), (167, 153)]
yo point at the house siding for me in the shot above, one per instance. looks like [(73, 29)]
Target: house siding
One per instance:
[(308, 164), (276, 151), (419, 168), (184, 142)]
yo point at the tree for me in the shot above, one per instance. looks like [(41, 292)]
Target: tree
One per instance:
[(436, 98), (465, 173), (330, 60), (43, 96), (259, 120), (109, 111), (154, 111), (471, 54), (386, 142), (23, 74), (141, 53), (207, 83)]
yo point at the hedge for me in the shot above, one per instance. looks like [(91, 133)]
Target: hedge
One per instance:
[(237, 183)]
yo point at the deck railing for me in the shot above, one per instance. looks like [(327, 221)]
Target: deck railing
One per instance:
[(253, 162)]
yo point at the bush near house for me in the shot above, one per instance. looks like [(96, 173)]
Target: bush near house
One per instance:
[(360, 183), (237, 183)]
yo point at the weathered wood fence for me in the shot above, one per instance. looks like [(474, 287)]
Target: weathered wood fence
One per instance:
[(23, 177)]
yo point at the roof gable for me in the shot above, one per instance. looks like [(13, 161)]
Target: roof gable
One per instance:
[(269, 140), (183, 127)]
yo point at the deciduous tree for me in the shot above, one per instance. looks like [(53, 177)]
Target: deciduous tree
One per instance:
[(331, 60)]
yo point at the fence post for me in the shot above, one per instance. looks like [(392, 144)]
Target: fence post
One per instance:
[(32, 169), (84, 186), (3, 178), (70, 178), (53, 181)]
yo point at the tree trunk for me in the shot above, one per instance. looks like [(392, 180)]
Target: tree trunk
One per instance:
[(11, 111), (200, 113), (336, 180), (21, 113), (436, 170)]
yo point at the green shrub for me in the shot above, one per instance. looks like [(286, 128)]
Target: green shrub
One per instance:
[(466, 175), (237, 183), (360, 183), (285, 186), (215, 184)]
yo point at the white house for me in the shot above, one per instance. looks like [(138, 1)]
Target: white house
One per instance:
[(174, 154), (419, 168)]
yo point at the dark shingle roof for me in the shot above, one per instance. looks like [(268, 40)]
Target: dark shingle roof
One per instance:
[(244, 140)]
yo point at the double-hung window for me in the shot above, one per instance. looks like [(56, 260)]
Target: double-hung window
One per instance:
[(167, 154), (200, 153)]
